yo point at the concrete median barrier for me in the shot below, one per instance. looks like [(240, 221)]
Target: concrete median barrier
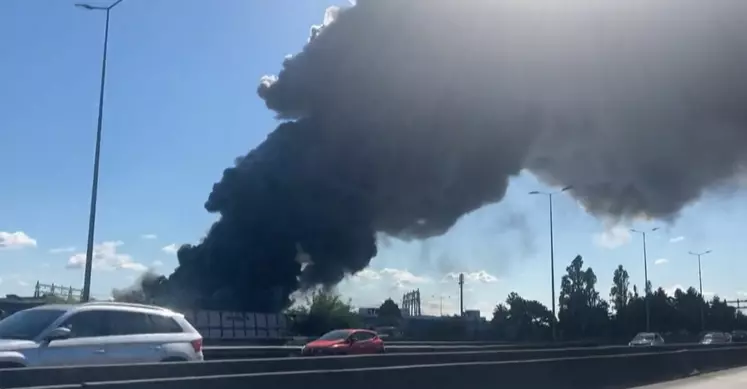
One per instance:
[(588, 372), (17, 378)]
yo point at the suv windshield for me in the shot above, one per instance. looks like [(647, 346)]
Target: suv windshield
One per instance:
[(335, 335), (27, 325)]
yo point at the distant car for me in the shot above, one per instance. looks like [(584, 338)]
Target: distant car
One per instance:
[(739, 336), (646, 339), (345, 342), (96, 333), (715, 337)]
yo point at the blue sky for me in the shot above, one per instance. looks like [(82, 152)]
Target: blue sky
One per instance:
[(181, 105)]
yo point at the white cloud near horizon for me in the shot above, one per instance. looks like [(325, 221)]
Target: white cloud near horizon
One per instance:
[(677, 239), (149, 236), (661, 261), (478, 276), (106, 257), (16, 240), (396, 277), (612, 237)]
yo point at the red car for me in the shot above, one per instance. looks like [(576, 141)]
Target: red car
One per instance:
[(345, 342)]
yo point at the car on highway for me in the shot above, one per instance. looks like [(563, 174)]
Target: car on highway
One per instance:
[(715, 337), (345, 342), (96, 333), (739, 336), (646, 339)]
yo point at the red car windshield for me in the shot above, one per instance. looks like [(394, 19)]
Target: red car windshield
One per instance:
[(335, 335)]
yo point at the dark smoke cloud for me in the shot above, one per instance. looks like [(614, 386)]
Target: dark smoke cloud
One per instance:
[(403, 115)]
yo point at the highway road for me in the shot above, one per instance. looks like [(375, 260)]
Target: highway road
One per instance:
[(727, 379)]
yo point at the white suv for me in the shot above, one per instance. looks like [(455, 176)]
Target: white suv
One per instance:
[(96, 333)]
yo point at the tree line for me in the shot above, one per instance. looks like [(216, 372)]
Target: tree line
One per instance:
[(584, 314)]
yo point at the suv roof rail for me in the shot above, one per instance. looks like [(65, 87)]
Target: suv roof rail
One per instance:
[(122, 304)]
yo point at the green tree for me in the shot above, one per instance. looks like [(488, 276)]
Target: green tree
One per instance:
[(582, 312), (389, 314), (322, 312), (521, 319), (620, 292)]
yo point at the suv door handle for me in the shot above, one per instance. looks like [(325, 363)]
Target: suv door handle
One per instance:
[(99, 351)]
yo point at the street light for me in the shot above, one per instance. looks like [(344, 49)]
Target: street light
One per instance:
[(645, 275), (552, 252), (700, 281), (95, 184)]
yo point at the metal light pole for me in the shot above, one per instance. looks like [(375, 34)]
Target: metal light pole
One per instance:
[(552, 254), (645, 276), (700, 281), (441, 303), (95, 185)]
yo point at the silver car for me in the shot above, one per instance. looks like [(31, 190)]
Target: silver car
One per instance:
[(646, 339), (96, 333)]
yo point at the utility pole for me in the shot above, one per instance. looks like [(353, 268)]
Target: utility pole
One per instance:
[(461, 294), (645, 276), (552, 255), (86, 295), (700, 282)]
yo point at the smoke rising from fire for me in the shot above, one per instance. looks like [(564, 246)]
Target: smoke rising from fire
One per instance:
[(400, 116)]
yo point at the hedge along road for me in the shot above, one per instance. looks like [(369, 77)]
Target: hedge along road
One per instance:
[(16, 378)]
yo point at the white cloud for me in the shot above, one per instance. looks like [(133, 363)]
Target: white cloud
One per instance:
[(661, 261), (677, 239), (16, 240), (149, 236), (741, 293), (22, 283), (156, 264), (170, 249), (670, 291), (367, 274), (60, 250), (106, 257), (612, 237), (397, 277), (478, 276), (403, 278)]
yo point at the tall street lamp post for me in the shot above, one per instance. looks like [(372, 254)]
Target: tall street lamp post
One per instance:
[(95, 185), (645, 276), (552, 253), (700, 282)]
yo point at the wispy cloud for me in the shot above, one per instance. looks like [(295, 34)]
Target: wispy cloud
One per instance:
[(156, 264), (16, 240), (661, 261), (613, 237), (478, 276), (149, 236), (106, 257), (60, 250), (395, 277), (170, 249), (677, 239)]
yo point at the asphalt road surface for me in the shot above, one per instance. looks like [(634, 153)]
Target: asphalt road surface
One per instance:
[(727, 379)]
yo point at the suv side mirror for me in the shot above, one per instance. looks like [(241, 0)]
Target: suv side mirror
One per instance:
[(58, 334)]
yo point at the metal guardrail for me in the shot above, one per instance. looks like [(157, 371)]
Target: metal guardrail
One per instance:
[(31, 377), (581, 372)]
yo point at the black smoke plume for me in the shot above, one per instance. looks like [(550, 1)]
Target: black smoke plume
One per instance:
[(403, 115)]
